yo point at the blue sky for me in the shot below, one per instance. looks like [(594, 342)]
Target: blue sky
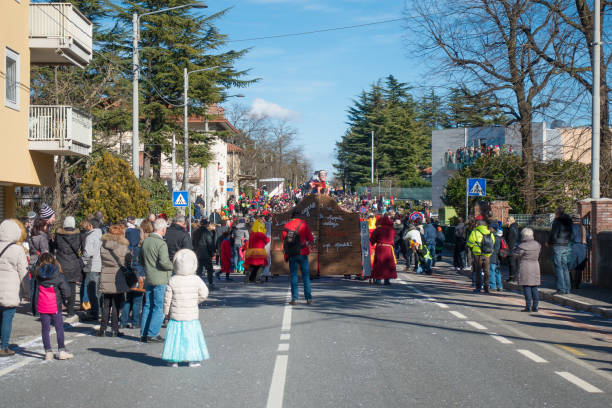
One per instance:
[(313, 78)]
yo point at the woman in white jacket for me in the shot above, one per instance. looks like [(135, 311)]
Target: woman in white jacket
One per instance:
[(13, 268), (184, 338)]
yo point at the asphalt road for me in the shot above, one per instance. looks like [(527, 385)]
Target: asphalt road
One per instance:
[(424, 341)]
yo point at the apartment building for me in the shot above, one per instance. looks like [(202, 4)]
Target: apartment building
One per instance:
[(38, 34)]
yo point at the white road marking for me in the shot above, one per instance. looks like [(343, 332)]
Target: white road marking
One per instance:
[(286, 319), (277, 387), (283, 347), (285, 336), (431, 299), (457, 314), (578, 382), (476, 325), (442, 305), (401, 282), (532, 356), (15, 366), (501, 339)]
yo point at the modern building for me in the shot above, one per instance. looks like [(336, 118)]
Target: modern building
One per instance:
[(453, 148), (38, 34)]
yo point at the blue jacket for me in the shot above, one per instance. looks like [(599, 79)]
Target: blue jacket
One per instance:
[(133, 236), (430, 233)]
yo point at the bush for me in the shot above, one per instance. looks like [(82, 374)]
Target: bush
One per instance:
[(160, 199), (109, 186)]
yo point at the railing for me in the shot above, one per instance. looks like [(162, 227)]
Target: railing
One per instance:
[(534, 220), (69, 128), (62, 21)]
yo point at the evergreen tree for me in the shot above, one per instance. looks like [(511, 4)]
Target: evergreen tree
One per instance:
[(110, 186), (469, 109), (433, 112)]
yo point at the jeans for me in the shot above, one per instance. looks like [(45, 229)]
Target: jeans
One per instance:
[(6, 324), (133, 304), (92, 282), (531, 297), (58, 322), (458, 256), (153, 311), (302, 262), (235, 258), (560, 253), (495, 279), (481, 267), (432, 251)]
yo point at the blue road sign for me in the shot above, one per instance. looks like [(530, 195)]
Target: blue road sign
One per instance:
[(180, 198), (477, 187)]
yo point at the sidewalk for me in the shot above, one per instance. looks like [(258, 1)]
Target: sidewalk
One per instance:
[(587, 298)]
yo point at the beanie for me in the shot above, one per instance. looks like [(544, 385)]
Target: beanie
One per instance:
[(69, 222), (46, 212)]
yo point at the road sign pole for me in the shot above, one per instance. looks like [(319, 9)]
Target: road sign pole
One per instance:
[(467, 205)]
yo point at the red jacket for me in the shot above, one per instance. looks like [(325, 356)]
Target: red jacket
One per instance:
[(256, 253), (304, 232)]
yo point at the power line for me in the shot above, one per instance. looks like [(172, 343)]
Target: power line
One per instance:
[(321, 31)]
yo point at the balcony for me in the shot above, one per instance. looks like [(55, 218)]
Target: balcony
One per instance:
[(59, 35), (59, 130)]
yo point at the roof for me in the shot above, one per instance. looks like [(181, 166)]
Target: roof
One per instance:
[(232, 148)]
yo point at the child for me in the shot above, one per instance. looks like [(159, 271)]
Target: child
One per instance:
[(184, 338), (423, 256), (51, 289)]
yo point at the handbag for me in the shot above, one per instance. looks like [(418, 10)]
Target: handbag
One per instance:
[(135, 282)]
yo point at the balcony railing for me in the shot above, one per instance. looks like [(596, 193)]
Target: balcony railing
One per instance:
[(60, 130), (59, 35)]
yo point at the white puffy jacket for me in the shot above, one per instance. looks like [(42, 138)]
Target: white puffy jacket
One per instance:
[(13, 263), (185, 290)]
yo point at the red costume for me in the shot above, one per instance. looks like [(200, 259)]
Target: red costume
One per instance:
[(226, 256), (256, 254), (384, 257)]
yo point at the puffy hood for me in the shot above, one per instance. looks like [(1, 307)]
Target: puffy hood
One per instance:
[(112, 241), (11, 231), (483, 229), (185, 262), (258, 226), (67, 231), (47, 272)]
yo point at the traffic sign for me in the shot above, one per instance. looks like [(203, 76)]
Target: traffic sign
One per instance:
[(477, 187), (180, 199)]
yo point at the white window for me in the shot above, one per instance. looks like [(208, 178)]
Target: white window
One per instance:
[(11, 68)]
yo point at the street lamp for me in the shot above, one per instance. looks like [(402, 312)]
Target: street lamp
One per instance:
[(135, 68)]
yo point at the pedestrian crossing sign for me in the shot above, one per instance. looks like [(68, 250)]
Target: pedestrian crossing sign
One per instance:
[(179, 198), (477, 187)]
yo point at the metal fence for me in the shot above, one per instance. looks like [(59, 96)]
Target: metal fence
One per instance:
[(534, 220), (417, 193)]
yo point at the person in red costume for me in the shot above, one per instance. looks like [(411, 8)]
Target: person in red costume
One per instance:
[(256, 257), (226, 255), (384, 256)]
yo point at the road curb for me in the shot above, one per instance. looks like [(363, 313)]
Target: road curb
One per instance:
[(563, 300)]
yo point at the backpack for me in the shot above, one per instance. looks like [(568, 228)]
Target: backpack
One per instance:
[(487, 245), (292, 245), (504, 250)]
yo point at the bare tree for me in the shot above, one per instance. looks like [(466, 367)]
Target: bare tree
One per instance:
[(483, 43)]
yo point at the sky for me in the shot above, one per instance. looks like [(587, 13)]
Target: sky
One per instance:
[(311, 80)]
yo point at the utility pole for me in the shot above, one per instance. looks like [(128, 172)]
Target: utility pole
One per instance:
[(372, 157), (595, 189), (135, 119)]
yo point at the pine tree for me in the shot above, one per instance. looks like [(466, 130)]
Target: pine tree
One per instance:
[(110, 186), (469, 109)]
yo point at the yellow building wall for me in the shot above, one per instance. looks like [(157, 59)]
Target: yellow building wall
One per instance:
[(18, 166), (577, 144)]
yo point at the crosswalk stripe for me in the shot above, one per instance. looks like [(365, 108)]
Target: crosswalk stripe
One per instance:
[(579, 382), (532, 356)]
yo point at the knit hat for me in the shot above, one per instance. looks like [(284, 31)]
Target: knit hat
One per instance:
[(69, 222), (46, 212)]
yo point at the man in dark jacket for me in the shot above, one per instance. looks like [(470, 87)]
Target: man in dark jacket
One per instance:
[(206, 250), (559, 238), (459, 251), (512, 235), (430, 239), (177, 236)]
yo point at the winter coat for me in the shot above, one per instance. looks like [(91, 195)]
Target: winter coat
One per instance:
[(561, 231), (67, 247), (494, 260), (398, 227), (39, 245), (226, 256), (528, 253), (116, 258), (177, 238), (512, 236), (206, 244), (384, 258), (430, 234), (49, 276), (13, 264), (154, 257), (185, 290), (475, 240), (256, 253), (240, 234), (134, 236), (91, 251)]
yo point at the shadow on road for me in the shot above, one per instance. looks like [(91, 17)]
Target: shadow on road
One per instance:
[(130, 355)]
